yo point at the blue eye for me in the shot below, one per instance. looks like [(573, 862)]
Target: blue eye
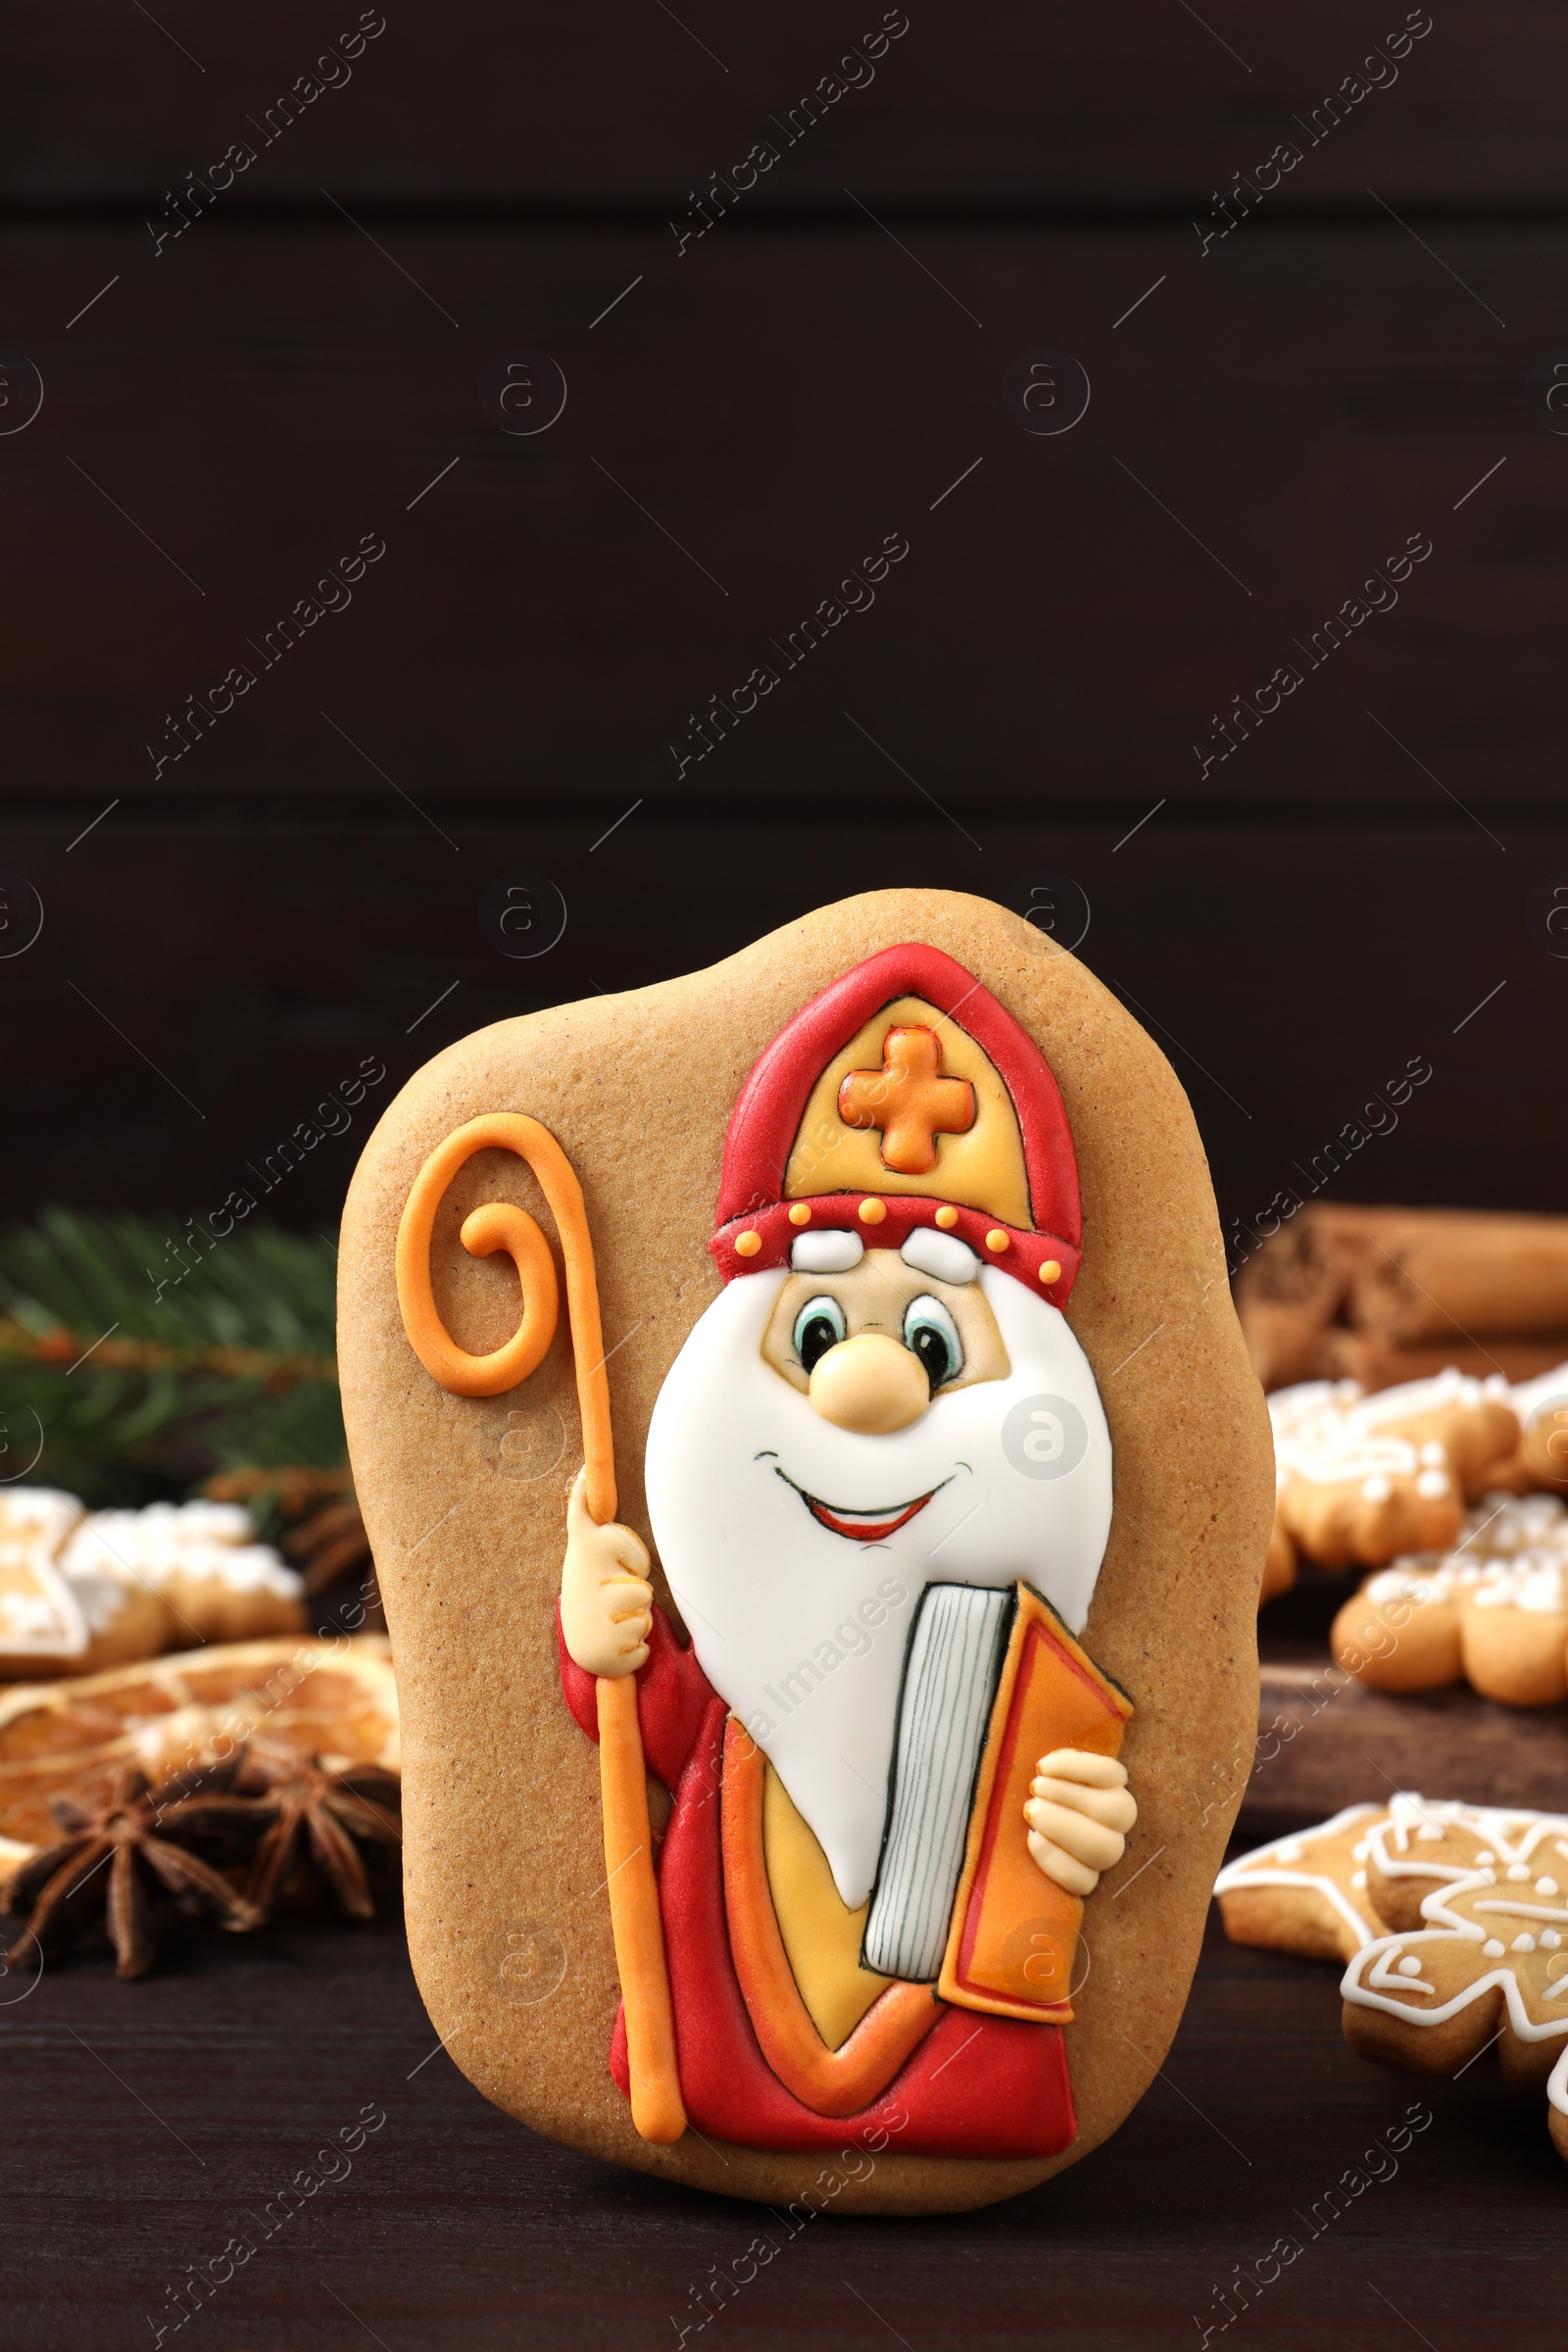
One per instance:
[(818, 1326), (930, 1332)]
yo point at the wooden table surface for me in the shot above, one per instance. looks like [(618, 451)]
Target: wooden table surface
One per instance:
[(148, 2125)]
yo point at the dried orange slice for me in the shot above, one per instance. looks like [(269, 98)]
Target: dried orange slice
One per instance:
[(332, 1698)]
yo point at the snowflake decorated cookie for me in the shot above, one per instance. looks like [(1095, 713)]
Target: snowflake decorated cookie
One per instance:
[(1474, 1421), (1490, 1964)]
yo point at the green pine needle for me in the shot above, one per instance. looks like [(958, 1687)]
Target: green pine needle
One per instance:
[(116, 1433)]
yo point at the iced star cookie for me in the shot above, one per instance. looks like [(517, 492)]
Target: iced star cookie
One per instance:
[(850, 1243), (1425, 1844), (1305, 1894), (42, 1630), (1490, 1964)]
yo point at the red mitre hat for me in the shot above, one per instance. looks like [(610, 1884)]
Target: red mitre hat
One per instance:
[(904, 1096)]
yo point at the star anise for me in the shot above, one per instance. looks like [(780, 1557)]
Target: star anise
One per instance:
[(118, 1854), (319, 1819)]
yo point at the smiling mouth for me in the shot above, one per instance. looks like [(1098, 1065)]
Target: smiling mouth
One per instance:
[(862, 1527)]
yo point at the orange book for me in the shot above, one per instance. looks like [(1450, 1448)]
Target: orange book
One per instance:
[(1013, 1936)]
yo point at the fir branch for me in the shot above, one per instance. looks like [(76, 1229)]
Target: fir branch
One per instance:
[(145, 1363)]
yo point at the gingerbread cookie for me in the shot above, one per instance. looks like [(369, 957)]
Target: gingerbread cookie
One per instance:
[(1280, 1564), (36, 1518), (1306, 1895), (1541, 1408), (52, 1620), (1425, 1844), (198, 1563), (807, 1287), (1490, 1963), (1473, 1421), (1493, 1612), (1350, 1491)]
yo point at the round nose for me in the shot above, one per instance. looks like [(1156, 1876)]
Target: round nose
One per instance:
[(870, 1384)]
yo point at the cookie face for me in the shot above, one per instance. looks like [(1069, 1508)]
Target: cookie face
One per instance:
[(874, 1279), (1489, 1963), (1306, 1895)]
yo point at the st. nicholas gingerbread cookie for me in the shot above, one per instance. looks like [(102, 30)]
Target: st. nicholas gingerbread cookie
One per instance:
[(822, 1554)]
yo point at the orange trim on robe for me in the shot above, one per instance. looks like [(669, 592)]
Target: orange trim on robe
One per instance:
[(833, 2082)]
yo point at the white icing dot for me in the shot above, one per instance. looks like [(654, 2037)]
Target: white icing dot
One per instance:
[(1410, 1966), (1524, 1944), (1550, 1939), (1289, 1851), (1517, 1870), (1432, 1454), (1358, 1853), (1378, 1488), (1492, 1948), (1432, 1483), (1545, 1885), (1429, 1830), (1360, 1880), (1486, 1855)]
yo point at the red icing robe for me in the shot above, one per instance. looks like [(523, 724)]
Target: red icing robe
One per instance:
[(975, 2085)]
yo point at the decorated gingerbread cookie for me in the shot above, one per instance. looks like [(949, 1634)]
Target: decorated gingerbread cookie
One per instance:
[(1362, 1479), (1490, 1964), (1473, 1421), (1541, 1408), (199, 1561), (1306, 1895), (819, 1497), (1424, 1845), (1493, 1612)]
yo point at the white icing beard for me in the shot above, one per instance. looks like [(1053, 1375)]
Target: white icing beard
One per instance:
[(803, 1632)]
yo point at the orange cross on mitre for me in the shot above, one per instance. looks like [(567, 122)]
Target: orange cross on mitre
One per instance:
[(909, 1100)]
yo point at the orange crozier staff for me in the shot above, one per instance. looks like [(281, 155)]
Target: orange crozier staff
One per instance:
[(656, 2101)]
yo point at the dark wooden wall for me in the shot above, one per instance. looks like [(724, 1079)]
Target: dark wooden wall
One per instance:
[(1366, 357)]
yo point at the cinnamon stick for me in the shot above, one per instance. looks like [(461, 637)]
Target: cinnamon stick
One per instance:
[(1295, 1284), (1342, 1354), (1466, 1276)]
